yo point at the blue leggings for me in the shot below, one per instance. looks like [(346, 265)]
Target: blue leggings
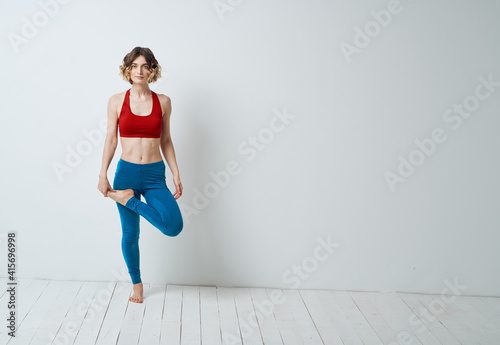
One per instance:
[(161, 208)]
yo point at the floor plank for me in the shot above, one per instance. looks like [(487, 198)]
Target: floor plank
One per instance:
[(190, 331), (209, 314), (172, 311), (230, 328)]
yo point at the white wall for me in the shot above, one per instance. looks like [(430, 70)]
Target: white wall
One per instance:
[(322, 176)]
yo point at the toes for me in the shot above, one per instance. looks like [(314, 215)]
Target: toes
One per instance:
[(135, 299)]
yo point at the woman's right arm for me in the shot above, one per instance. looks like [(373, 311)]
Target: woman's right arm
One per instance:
[(110, 144)]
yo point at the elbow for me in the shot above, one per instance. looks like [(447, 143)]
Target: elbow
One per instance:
[(111, 141), (165, 142)]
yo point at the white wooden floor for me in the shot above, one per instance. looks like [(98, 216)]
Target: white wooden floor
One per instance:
[(86, 313)]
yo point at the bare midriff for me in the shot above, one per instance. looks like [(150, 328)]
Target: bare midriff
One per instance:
[(140, 150)]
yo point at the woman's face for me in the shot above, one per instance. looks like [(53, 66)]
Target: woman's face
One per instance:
[(139, 70)]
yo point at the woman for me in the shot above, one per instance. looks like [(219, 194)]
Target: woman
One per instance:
[(142, 118)]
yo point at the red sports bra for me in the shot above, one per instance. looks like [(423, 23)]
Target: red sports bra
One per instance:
[(140, 126)]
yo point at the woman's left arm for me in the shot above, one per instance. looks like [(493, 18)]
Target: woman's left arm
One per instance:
[(167, 146)]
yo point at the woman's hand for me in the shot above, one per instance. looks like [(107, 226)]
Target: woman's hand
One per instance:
[(104, 186), (178, 187)]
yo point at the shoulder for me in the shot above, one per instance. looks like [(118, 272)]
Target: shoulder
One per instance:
[(115, 102), (165, 101), (117, 99)]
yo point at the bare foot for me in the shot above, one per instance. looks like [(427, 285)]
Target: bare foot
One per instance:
[(137, 296), (121, 196)]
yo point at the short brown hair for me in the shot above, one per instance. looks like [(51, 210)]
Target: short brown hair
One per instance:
[(154, 67)]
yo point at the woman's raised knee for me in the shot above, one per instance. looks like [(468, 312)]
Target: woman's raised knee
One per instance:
[(173, 229)]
